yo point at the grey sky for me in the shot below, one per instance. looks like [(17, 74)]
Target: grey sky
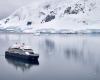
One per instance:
[(9, 6)]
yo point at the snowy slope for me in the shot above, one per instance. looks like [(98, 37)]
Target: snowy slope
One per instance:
[(60, 16)]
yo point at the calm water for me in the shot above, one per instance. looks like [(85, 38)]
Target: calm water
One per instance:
[(62, 57)]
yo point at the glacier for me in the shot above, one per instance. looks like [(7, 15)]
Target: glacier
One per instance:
[(55, 16)]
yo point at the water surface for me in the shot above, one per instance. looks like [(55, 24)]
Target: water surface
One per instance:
[(62, 57)]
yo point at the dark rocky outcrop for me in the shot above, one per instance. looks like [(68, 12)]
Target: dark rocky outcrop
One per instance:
[(74, 10), (6, 20), (48, 18), (29, 23)]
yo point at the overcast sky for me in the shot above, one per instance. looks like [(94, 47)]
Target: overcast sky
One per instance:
[(9, 6)]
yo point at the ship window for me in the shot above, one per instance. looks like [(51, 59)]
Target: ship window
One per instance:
[(27, 49), (31, 52)]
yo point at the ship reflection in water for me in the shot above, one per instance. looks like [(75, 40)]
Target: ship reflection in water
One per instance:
[(22, 64)]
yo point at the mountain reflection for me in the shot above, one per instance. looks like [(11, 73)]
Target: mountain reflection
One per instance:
[(49, 45), (72, 53), (22, 64), (78, 53)]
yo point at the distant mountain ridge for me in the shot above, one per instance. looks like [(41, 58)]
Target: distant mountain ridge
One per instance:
[(57, 15)]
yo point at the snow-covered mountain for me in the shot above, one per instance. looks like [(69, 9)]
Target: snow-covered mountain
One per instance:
[(55, 16)]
